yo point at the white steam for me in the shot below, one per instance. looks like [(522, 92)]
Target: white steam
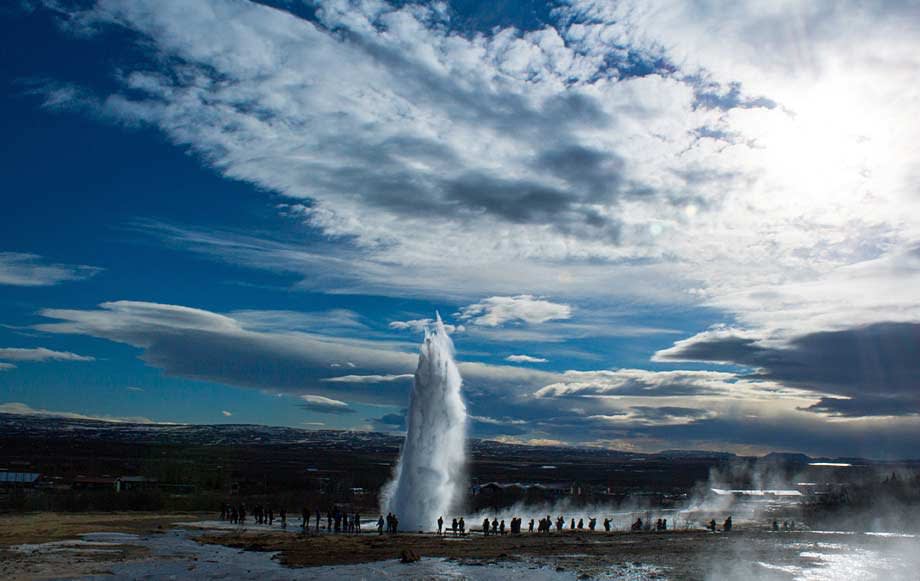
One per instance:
[(432, 464)]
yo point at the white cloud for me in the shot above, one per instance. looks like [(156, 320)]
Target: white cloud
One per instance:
[(20, 269), (421, 325), (325, 405), (690, 384), (21, 409), (367, 378), (203, 345), (333, 321), (226, 413), (681, 159), (498, 421), (549, 442), (525, 359), (756, 158), (40, 354), (6, 366), (496, 311)]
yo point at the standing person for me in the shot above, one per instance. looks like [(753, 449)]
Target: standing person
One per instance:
[(572, 525), (328, 521), (380, 525), (485, 526), (531, 525), (495, 526), (581, 524), (283, 513), (559, 524), (441, 524), (357, 522), (462, 527), (727, 525), (607, 524), (453, 527), (271, 516), (395, 525), (592, 522), (501, 527), (318, 517)]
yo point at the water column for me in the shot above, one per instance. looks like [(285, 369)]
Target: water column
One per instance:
[(431, 472)]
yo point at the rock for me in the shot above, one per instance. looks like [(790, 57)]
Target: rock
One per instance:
[(408, 556)]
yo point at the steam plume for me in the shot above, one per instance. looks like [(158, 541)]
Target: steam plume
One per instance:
[(430, 472)]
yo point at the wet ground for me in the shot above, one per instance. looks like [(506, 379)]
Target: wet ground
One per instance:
[(210, 550)]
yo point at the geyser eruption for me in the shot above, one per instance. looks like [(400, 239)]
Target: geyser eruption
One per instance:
[(431, 468)]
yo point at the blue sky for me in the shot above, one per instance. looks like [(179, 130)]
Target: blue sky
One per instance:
[(228, 211)]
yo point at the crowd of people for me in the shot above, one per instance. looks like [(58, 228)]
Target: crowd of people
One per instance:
[(336, 520), (236, 514), (547, 524), (457, 527), (392, 524), (726, 526)]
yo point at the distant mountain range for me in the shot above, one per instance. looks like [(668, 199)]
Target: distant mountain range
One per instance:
[(56, 427)]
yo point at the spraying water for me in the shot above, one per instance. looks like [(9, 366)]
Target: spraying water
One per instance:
[(430, 472)]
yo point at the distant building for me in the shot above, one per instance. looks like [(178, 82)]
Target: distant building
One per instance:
[(94, 483), (19, 479), (134, 483)]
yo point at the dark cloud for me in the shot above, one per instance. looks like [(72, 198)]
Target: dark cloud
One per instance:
[(867, 405), (669, 413), (596, 174), (206, 346), (877, 366), (390, 422), (712, 96), (889, 439)]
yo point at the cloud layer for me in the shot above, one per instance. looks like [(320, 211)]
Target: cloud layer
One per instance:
[(39, 354), (20, 269), (757, 160)]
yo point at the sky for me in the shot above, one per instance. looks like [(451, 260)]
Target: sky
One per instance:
[(649, 225)]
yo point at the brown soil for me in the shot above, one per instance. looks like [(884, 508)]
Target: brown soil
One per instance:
[(45, 527), (67, 561), (586, 553)]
